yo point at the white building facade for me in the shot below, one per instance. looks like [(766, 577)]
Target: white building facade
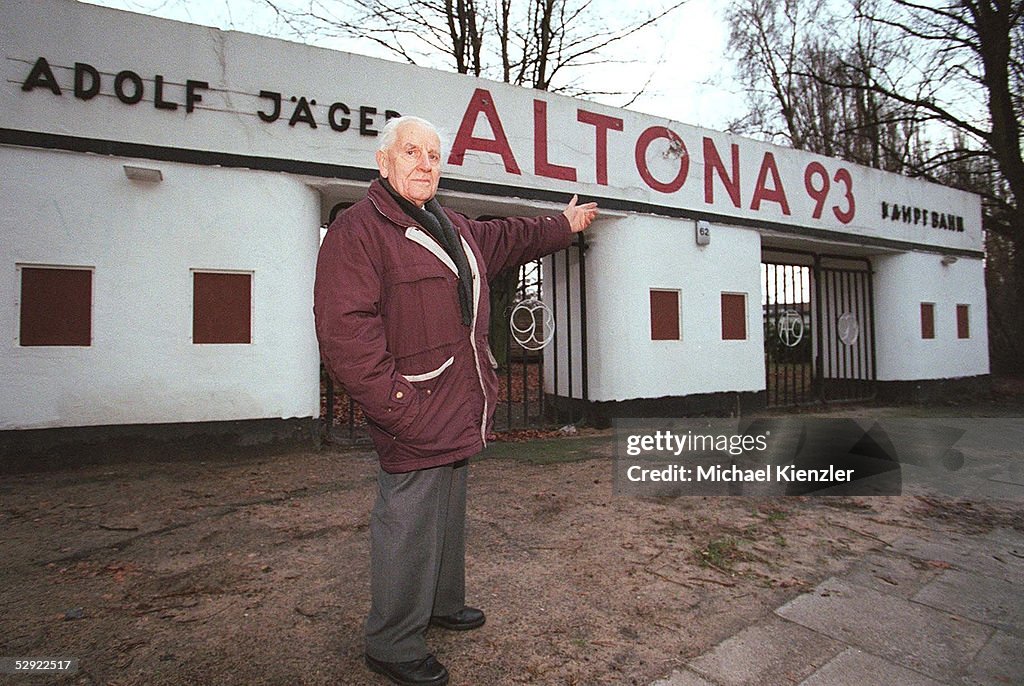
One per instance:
[(164, 185)]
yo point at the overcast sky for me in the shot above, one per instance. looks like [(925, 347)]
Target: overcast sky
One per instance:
[(684, 56)]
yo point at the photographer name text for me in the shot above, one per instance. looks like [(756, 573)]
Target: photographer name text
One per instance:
[(733, 474)]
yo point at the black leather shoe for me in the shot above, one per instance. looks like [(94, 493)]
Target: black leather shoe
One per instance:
[(465, 619), (425, 672)]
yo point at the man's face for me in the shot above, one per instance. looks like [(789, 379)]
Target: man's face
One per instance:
[(412, 165)]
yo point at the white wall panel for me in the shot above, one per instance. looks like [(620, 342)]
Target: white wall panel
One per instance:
[(902, 283), (142, 240)]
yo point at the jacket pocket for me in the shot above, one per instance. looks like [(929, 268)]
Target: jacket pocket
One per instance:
[(420, 309), (438, 396), (432, 374), (402, 409)]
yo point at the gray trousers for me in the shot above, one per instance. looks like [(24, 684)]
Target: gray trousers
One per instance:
[(417, 558)]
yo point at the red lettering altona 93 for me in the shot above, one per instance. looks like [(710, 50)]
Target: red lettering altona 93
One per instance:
[(769, 187)]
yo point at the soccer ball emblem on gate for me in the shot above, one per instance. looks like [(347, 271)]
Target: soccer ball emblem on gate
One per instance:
[(848, 328), (533, 325), (791, 328)]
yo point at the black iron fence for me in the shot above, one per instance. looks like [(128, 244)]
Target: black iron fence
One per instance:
[(523, 402), (846, 359), (819, 329)]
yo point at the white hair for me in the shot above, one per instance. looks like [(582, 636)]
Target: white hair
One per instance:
[(390, 131)]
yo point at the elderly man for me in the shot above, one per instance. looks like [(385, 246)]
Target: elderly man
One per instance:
[(402, 311)]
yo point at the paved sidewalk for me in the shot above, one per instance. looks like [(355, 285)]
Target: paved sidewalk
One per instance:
[(927, 609), (921, 611)]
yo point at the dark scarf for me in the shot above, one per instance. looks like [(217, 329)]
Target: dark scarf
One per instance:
[(432, 218)]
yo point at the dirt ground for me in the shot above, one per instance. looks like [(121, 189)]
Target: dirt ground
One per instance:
[(254, 570)]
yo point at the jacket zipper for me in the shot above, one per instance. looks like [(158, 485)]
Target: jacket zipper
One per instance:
[(472, 335)]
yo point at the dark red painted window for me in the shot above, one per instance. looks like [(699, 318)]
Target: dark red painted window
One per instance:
[(56, 306), (221, 307), (963, 321), (664, 315), (734, 317), (927, 320)]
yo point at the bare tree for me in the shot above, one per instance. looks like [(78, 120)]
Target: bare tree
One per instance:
[(411, 30), (764, 41), (972, 51), (789, 60), (930, 89), (544, 44)]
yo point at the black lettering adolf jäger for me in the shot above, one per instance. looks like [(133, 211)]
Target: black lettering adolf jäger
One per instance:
[(127, 85)]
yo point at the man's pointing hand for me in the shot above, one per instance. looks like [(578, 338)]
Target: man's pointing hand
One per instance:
[(579, 216)]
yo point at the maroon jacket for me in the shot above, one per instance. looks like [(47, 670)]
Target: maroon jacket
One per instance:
[(390, 325)]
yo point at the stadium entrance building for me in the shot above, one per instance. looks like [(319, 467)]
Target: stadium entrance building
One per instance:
[(164, 187)]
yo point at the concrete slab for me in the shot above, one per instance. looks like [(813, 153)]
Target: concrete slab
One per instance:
[(990, 448), (1011, 539), (683, 677), (996, 602), (853, 667), (979, 555), (1008, 474), (996, 489), (773, 653), (905, 633), (893, 574), (1001, 661)]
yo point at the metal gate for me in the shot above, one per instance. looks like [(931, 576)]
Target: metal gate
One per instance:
[(520, 369), (819, 329), (560, 281)]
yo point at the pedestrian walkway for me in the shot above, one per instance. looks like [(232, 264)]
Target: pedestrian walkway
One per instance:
[(926, 609), (921, 611)]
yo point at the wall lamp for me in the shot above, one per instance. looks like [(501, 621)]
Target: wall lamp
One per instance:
[(948, 260), (143, 174)]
